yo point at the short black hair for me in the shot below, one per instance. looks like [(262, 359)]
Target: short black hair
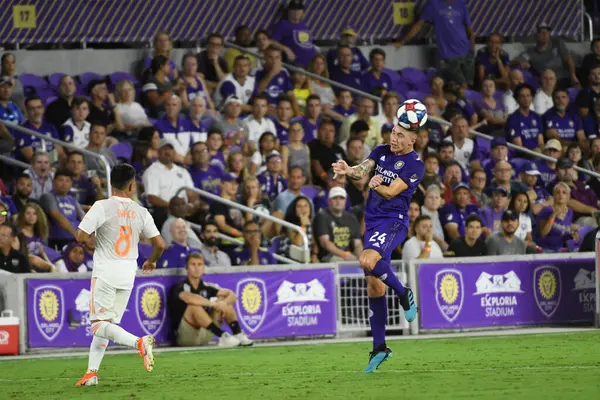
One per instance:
[(445, 144), (259, 96), (250, 222), (63, 172), (521, 87), (77, 101), (313, 97), (326, 121), (121, 175), (209, 222), (471, 218), (32, 98), (376, 51), (358, 126), (421, 218), (13, 230), (283, 98), (75, 152), (23, 176)]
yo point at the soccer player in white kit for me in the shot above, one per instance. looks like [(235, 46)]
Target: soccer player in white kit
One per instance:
[(117, 223)]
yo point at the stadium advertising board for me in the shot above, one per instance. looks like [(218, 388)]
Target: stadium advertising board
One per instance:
[(270, 304), (506, 293)]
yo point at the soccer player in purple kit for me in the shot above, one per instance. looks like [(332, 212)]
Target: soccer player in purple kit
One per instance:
[(398, 172)]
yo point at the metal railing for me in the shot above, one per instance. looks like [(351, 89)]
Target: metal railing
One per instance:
[(222, 236), (17, 127), (242, 207), (14, 162), (430, 118)]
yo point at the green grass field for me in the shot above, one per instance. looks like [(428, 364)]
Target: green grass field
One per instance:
[(553, 366)]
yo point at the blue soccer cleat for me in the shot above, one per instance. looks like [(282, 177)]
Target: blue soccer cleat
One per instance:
[(408, 303), (376, 358)]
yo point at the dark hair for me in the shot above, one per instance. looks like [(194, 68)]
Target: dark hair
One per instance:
[(327, 121), (524, 86), (471, 218), (194, 254), (240, 58), (353, 139), (272, 48), (340, 91), (283, 98), (313, 97), (121, 175), (146, 133), (75, 153), (209, 222), (445, 144), (196, 144), (558, 90), (13, 230), (214, 131), (187, 55), (250, 222), (23, 176), (259, 96), (32, 98), (376, 51), (93, 124), (262, 32), (77, 101), (592, 43), (420, 218), (511, 204), (214, 35), (157, 63), (431, 155), (290, 213), (343, 46), (358, 126), (239, 29), (63, 172), (291, 169)]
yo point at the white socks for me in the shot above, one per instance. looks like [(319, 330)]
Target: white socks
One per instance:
[(97, 349), (115, 333)]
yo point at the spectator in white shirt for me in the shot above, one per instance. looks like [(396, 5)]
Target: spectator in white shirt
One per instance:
[(257, 123), (431, 205), (76, 129), (542, 101), (422, 245), (132, 113), (515, 78), (163, 179)]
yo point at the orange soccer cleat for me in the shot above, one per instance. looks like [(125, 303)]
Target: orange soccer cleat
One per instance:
[(145, 345), (89, 379)]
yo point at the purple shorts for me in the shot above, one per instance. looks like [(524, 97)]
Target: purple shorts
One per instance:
[(384, 235)]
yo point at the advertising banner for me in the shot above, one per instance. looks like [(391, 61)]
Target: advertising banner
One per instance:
[(469, 295), (269, 304)]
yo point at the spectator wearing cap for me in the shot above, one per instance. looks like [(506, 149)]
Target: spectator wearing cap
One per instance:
[(59, 111), (348, 37), (229, 123), (337, 231), (272, 183), (204, 175), (521, 205), (102, 107), (175, 255), (455, 37), (76, 129), (251, 253), (547, 169), (312, 118), (582, 199), (97, 145), (453, 214), (343, 73), (466, 151), (9, 111), (62, 209), (274, 80), (292, 36), (505, 242), (324, 152), (421, 246), (492, 61), (555, 223), (524, 127), (515, 79), (492, 214), (365, 111), (472, 243), (175, 128), (561, 123), (230, 220), (257, 123), (477, 184), (499, 152), (210, 63), (550, 53), (538, 196), (542, 101), (157, 87), (239, 83), (587, 98), (321, 199), (242, 38), (163, 179), (375, 76), (27, 145), (457, 104), (503, 174)]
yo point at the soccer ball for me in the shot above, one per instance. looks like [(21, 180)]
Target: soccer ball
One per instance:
[(412, 114)]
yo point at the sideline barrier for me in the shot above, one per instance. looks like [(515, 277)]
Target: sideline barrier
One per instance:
[(504, 291)]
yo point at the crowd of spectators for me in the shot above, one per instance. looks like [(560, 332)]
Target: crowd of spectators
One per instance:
[(249, 131)]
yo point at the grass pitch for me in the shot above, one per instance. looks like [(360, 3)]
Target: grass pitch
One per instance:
[(552, 366)]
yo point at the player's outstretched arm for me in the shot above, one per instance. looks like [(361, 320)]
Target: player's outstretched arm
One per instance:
[(158, 245), (356, 172), (394, 189), (82, 236)]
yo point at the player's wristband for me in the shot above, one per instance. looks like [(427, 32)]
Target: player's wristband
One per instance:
[(427, 249), (551, 220), (346, 253), (323, 175)]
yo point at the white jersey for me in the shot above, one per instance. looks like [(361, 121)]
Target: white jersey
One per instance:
[(118, 223), (230, 86)]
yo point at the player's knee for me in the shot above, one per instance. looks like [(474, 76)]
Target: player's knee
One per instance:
[(375, 288), (367, 261)]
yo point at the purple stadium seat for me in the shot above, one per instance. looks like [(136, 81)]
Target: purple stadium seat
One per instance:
[(472, 96), (413, 94), (87, 77), (423, 87), (519, 162), (310, 191), (274, 246), (52, 254), (430, 73), (484, 146), (33, 80), (400, 89), (54, 79), (394, 76), (123, 151), (144, 251), (47, 94), (413, 75), (115, 77), (573, 92)]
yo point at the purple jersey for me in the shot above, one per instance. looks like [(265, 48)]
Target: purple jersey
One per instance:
[(359, 61), (209, 180), (67, 206), (35, 245), (271, 186), (560, 232), (490, 66), (451, 214), (449, 20), (547, 174), (567, 126), (180, 133), (492, 218), (199, 132), (175, 255), (527, 127), (23, 140), (198, 91), (408, 167), (218, 160), (241, 255), (352, 79), (297, 37), (310, 129), (590, 126), (370, 81), (282, 132), (280, 84)]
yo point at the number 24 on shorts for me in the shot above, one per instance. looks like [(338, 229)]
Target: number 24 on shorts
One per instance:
[(123, 243), (378, 238)]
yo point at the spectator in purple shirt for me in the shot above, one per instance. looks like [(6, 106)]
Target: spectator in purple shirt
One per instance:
[(457, 104), (376, 76), (582, 199), (493, 62), (498, 153), (175, 255), (272, 183), (204, 175), (86, 190), (312, 118), (343, 73), (274, 80), (489, 109), (547, 169), (348, 38), (210, 63), (455, 37), (162, 47), (174, 127), (555, 222), (251, 253), (453, 215), (344, 106), (293, 36), (538, 195), (492, 214), (561, 123), (524, 126), (283, 114)]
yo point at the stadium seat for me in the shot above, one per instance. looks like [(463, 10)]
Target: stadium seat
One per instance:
[(115, 77), (47, 94), (123, 151), (144, 251), (310, 191), (485, 146), (54, 79), (274, 245), (413, 76), (394, 76), (430, 73), (33, 80), (52, 254), (87, 77), (414, 94)]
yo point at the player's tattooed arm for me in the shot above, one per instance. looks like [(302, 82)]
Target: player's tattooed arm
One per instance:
[(362, 169)]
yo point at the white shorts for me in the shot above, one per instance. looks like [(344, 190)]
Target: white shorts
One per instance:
[(107, 303)]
